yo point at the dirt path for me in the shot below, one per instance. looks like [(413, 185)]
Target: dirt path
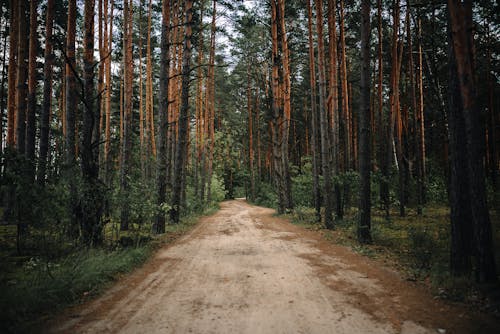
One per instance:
[(244, 271)]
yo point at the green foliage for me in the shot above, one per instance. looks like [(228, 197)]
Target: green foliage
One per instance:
[(41, 286), (266, 195), (302, 186)]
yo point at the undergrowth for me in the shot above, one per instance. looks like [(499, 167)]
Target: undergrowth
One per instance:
[(34, 289)]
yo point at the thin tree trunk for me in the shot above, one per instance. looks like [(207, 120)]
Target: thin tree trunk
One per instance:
[(107, 145), (287, 108), (316, 163), (47, 94), (183, 116), (211, 102), (12, 74), (22, 72), (32, 85), (420, 128), (127, 115), (325, 141), (364, 224), (150, 124)]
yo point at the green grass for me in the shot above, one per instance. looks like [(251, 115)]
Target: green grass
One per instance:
[(418, 246)]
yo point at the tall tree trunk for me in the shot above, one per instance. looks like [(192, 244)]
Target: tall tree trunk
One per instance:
[(22, 72), (316, 162), (211, 102), (150, 124), (380, 115), (92, 193), (461, 28), (71, 110), (47, 94), (421, 174), (183, 116), (127, 115), (71, 90), (107, 144), (32, 84), (364, 224), (2, 88), (12, 74), (324, 135), (287, 108), (460, 208), (250, 136), (276, 110), (162, 155)]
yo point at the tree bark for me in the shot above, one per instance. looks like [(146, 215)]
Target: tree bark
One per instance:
[(12, 74), (32, 85), (162, 160), (127, 115), (183, 116), (461, 29), (22, 72), (47, 94), (316, 163), (364, 225), (324, 135)]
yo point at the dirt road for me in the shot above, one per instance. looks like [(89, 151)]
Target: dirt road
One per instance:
[(244, 271)]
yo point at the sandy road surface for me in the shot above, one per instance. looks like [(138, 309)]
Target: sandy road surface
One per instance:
[(244, 271)]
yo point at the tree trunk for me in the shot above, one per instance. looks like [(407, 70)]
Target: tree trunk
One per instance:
[(162, 155), (287, 109), (92, 193), (364, 235), (32, 84), (460, 208), (107, 144), (127, 115), (12, 74), (276, 110), (316, 163), (324, 135), (183, 116), (461, 28), (47, 94), (22, 72)]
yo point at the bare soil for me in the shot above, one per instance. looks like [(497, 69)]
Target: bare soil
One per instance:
[(242, 270)]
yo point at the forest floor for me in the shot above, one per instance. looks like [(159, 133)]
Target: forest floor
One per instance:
[(244, 270)]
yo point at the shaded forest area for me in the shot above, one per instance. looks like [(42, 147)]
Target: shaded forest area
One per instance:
[(121, 119)]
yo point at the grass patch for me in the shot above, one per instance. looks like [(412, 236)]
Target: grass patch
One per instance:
[(417, 246)]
